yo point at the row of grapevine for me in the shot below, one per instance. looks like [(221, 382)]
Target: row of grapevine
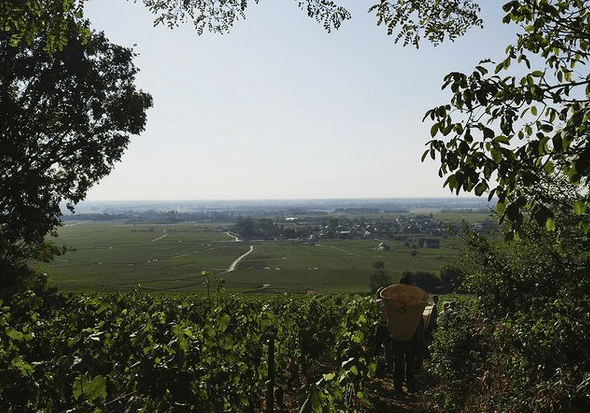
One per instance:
[(142, 352)]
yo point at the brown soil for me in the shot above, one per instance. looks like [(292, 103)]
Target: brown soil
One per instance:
[(382, 394), (384, 398)]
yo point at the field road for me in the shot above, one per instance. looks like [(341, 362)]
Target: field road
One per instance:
[(235, 262)]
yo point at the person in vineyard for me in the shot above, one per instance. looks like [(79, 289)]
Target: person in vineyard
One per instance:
[(406, 355), (382, 337)]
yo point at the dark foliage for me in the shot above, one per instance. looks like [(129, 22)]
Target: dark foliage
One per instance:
[(426, 280), (524, 345), (66, 119)]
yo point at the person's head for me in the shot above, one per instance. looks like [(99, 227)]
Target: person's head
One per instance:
[(435, 299)]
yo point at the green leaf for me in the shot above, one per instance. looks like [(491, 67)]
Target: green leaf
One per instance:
[(549, 167), (14, 334), (451, 182), (502, 139), (480, 188), (329, 376), (434, 130), (583, 162), (97, 389), (496, 155), (77, 388), (500, 208), (558, 143), (92, 390), (488, 133), (424, 155), (550, 224), (224, 322), (580, 207)]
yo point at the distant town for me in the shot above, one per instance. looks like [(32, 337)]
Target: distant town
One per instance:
[(306, 221)]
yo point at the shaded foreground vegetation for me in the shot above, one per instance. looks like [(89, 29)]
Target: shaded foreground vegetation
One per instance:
[(142, 352), (524, 343), (150, 352)]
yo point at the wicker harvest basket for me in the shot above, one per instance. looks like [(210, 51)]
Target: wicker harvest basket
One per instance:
[(404, 306)]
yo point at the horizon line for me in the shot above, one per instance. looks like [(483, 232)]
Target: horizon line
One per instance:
[(472, 197)]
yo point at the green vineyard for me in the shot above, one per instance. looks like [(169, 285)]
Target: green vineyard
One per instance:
[(153, 353), (115, 257)]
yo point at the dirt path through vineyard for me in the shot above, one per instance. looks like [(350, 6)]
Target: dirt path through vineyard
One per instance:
[(235, 262), (386, 400), (383, 397)]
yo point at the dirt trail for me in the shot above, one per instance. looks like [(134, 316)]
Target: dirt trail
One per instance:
[(385, 399), (235, 262)]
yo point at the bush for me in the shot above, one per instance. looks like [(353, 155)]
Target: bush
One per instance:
[(426, 280), (524, 345)]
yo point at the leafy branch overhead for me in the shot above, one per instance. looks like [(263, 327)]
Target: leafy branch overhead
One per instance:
[(408, 20), (433, 19), (26, 20), (518, 129), (220, 16)]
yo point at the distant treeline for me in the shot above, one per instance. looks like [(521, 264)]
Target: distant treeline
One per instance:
[(366, 210), (164, 217)]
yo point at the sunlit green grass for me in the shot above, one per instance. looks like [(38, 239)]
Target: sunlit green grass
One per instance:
[(332, 265), (114, 256)]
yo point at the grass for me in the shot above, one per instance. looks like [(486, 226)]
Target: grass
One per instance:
[(114, 256)]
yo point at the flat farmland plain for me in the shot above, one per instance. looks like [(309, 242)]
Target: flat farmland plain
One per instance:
[(116, 256)]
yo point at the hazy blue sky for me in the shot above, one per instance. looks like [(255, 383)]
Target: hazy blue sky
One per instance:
[(280, 109)]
